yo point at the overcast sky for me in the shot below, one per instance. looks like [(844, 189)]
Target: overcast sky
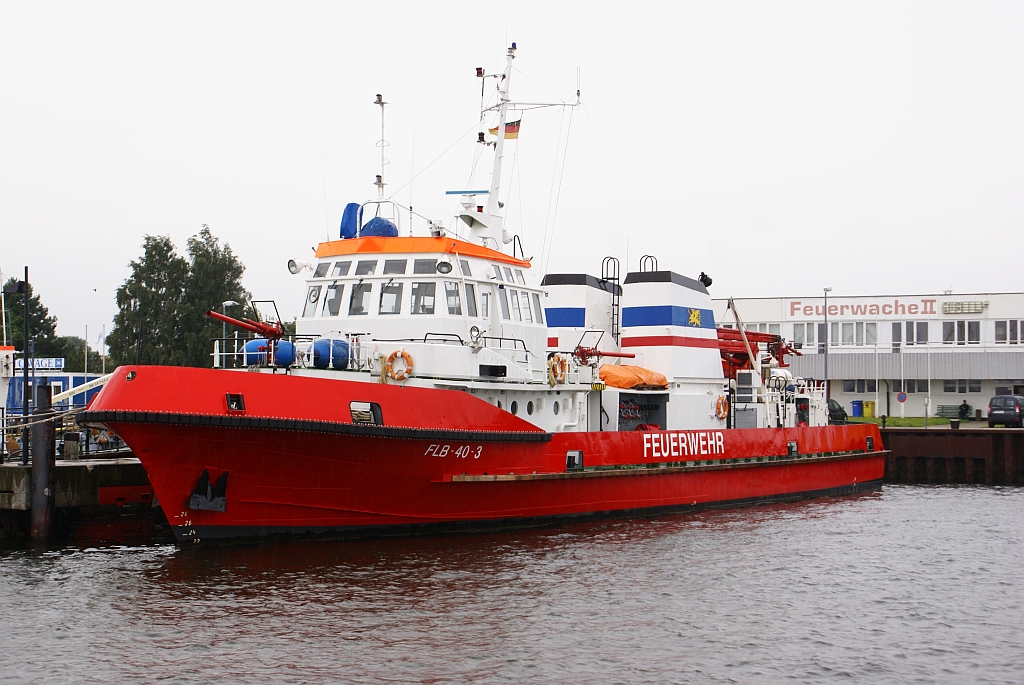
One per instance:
[(780, 147)]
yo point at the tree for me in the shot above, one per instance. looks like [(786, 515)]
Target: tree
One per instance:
[(166, 298), (72, 349), (42, 327)]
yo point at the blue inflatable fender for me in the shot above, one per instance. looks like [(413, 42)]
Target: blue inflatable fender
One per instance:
[(333, 353), (255, 352), (284, 355)]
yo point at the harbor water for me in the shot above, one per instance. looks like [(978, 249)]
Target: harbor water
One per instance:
[(910, 584)]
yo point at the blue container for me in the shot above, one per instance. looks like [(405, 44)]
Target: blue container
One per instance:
[(858, 407), (330, 352), (379, 227), (255, 352), (284, 355)]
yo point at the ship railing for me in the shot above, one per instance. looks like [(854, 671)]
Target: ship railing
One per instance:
[(513, 349)]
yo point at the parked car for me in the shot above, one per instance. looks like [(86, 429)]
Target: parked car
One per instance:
[(1007, 410), (837, 416)]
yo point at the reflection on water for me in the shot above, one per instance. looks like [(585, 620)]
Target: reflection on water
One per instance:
[(910, 584)]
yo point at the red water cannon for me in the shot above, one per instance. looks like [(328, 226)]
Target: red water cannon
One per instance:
[(270, 331)]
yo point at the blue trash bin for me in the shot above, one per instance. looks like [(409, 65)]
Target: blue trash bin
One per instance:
[(858, 407)]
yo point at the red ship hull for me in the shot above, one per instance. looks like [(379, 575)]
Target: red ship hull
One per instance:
[(296, 463)]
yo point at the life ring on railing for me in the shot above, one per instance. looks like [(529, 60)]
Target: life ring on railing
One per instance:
[(558, 368), (399, 374), (722, 407)]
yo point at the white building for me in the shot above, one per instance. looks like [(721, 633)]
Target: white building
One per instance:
[(938, 350)]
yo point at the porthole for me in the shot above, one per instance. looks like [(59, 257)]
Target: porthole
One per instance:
[(514, 407), (554, 407), (499, 404), (529, 408)]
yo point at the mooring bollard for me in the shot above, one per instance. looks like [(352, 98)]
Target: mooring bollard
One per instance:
[(44, 448)]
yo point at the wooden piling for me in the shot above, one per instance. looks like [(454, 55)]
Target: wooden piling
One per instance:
[(44, 455)]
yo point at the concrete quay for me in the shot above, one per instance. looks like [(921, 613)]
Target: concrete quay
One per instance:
[(84, 488), (983, 456)]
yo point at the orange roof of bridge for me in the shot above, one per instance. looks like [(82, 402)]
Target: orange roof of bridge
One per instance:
[(404, 245)]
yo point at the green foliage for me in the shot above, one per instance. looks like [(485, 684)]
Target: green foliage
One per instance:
[(72, 349), (162, 306), (42, 327)]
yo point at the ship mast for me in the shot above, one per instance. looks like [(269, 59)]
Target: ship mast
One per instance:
[(499, 147)]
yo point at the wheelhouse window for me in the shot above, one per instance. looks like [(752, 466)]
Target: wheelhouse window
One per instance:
[(424, 266), (503, 303), (525, 297), (465, 268), (367, 267), (359, 303), (514, 296), (519, 277), (451, 295), (332, 301), (312, 298), (485, 305), (391, 298), (471, 299), (538, 312), (497, 271), (423, 298), (341, 269), (508, 275), (395, 266), (321, 269)]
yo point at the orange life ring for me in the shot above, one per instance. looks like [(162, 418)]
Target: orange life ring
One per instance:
[(558, 367), (399, 374), (722, 407)]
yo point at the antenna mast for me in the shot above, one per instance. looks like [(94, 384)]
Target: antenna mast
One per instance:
[(382, 143), (499, 147)]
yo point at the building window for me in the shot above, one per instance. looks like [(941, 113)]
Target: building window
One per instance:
[(1000, 332), (922, 332), (897, 385), (835, 334), (961, 386), (973, 332), (861, 386), (847, 333), (859, 332), (798, 335), (910, 332), (871, 334), (775, 328), (896, 336), (948, 332), (1013, 332), (922, 385), (849, 386)]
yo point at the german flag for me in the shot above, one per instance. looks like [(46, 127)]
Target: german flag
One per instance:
[(511, 130)]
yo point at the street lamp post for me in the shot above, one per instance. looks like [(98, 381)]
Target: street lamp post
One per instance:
[(223, 325), (827, 393)]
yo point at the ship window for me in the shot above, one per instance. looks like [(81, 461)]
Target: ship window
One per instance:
[(465, 268), (519, 277), (537, 310), (508, 275), (555, 406), (312, 297), (497, 271), (366, 412), (514, 296), (514, 407), (424, 266), (470, 299), (366, 267), (503, 301), (321, 269), (391, 298), (341, 269), (526, 306), (359, 304), (529, 408), (423, 298), (332, 302), (395, 266), (451, 293), (485, 305)]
